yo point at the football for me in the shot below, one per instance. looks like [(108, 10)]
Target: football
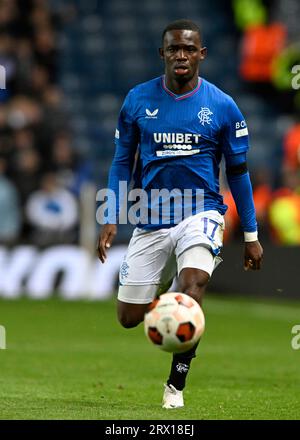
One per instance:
[(174, 322)]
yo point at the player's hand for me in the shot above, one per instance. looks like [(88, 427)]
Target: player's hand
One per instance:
[(253, 255), (106, 236)]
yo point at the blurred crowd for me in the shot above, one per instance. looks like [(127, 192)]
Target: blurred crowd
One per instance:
[(269, 41), (40, 175), (277, 208)]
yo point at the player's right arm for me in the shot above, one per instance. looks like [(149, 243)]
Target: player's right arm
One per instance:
[(106, 236), (126, 141)]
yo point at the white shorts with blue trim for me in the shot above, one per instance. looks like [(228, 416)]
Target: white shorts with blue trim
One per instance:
[(155, 257)]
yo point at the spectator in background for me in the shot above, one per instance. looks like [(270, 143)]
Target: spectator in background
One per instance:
[(10, 218), (23, 111), (25, 63), (71, 172), (260, 46), (26, 171), (23, 139), (231, 217), (39, 81), (45, 51), (262, 196), (31, 108), (284, 211), (52, 213), (54, 112), (291, 148), (249, 13), (8, 16)]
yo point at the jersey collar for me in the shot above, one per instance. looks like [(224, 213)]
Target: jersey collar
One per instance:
[(184, 95)]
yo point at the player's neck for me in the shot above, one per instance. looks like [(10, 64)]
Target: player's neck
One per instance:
[(181, 87)]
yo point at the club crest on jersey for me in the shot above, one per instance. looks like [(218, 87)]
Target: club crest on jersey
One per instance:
[(151, 115), (204, 115)]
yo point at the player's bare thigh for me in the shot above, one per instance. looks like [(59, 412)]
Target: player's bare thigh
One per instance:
[(195, 266)]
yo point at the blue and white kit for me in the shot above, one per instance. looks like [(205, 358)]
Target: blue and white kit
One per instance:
[(179, 141)]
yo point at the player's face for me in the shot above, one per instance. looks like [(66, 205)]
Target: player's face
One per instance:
[(182, 53)]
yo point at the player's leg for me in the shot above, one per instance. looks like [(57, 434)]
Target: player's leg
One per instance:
[(141, 274), (196, 262), (193, 282), (133, 302)]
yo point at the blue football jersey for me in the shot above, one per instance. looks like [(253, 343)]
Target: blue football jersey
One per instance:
[(179, 139)]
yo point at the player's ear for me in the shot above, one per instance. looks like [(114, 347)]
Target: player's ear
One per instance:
[(203, 53), (161, 53)]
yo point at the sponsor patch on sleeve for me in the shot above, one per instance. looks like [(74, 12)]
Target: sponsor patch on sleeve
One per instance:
[(241, 132), (117, 134)]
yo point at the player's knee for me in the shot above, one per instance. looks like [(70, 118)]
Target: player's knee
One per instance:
[(130, 315), (195, 285), (128, 323), (127, 320)]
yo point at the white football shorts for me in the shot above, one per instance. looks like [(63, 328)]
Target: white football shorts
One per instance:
[(155, 257)]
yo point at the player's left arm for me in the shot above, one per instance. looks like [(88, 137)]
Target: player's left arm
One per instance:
[(235, 146), (240, 186)]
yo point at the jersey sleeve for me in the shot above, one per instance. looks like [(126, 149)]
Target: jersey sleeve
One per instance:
[(234, 134), (127, 132), (126, 141), (234, 146)]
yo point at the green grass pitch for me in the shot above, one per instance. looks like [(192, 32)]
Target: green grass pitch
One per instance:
[(72, 360)]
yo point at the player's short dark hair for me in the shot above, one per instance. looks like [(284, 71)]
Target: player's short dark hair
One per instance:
[(183, 24)]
